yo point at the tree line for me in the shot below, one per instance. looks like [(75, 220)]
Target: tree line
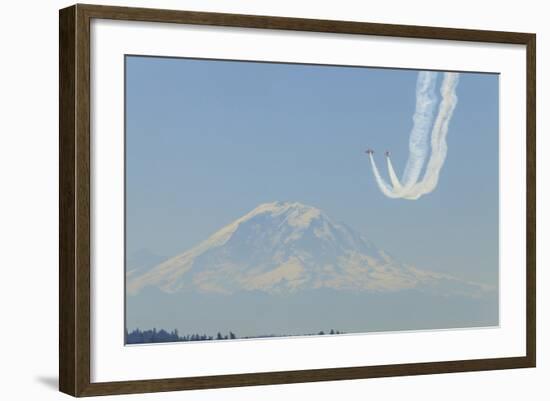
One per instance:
[(138, 336)]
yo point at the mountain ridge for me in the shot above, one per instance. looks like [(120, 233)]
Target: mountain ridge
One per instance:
[(284, 247)]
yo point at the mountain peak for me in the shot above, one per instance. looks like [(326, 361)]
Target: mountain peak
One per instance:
[(298, 214), (278, 207), (283, 247)]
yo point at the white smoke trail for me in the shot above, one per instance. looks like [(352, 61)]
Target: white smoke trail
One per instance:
[(393, 177), (439, 137), (422, 122), (382, 184), (410, 187)]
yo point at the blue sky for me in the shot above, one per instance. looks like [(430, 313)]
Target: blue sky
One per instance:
[(207, 141)]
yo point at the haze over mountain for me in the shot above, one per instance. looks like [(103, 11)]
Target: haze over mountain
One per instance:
[(292, 259), (287, 247)]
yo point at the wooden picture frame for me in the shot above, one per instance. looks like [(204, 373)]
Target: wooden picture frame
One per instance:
[(74, 204)]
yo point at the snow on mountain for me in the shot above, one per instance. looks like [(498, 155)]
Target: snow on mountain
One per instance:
[(288, 247), (141, 261)]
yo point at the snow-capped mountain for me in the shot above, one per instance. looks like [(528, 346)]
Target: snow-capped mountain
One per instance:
[(287, 247)]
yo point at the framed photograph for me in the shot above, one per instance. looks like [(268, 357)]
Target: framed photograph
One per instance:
[(250, 200)]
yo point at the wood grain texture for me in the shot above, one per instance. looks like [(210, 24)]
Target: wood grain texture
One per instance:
[(82, 245), (531, 229), (301, 24), (74, 199), (74, 206), (301, 376), (67, 289)]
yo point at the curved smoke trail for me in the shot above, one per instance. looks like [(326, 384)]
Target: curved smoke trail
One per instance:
[(410, 187), (382, 184), (393, 177)]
